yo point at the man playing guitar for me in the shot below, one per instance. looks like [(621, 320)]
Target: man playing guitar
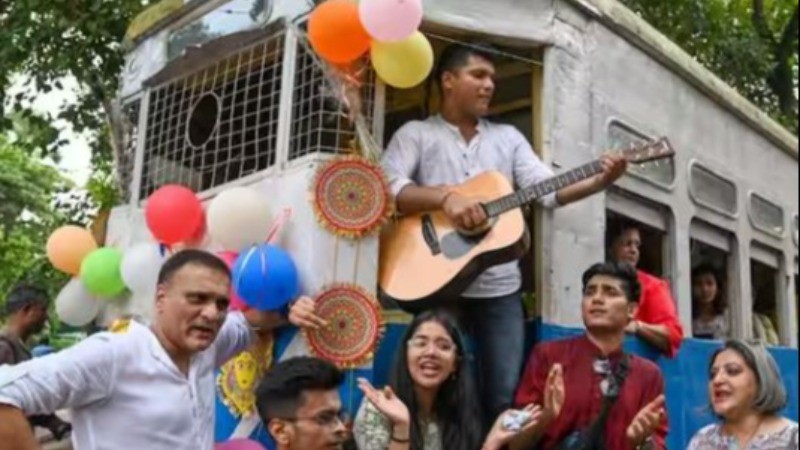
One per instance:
[(426, 157)]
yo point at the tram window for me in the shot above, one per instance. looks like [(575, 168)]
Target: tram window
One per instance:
[(621, 136), (766, 215), (764, 280), (710, 291), (651, 252), (712, 190)]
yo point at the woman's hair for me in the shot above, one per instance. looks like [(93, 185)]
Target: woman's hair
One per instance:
[(720, 302), (456, 407), (771, 397)]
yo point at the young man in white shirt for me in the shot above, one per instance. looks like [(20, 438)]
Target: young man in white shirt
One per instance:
[(425, 159), (150, 387)]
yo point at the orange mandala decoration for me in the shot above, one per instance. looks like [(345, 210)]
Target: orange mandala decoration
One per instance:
[(355, 326), (351, 197)]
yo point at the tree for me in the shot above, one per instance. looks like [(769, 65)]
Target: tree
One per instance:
[(751, 44)]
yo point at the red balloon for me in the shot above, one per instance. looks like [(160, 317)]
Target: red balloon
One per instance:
[(237, 304), (174, 214)]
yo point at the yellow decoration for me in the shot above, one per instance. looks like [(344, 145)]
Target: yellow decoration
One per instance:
[(238, 377), (150, 17), (403, 64), (120, 326)]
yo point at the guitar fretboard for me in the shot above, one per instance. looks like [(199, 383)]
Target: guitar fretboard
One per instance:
[(539, 190)]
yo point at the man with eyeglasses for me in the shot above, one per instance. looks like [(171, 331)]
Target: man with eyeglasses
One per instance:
[(608, 398), (298, 401)]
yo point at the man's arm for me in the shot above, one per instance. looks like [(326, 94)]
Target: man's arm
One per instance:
[(15, 432), (613, 168)]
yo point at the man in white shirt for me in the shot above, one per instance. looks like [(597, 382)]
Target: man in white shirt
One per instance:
[(147, 388), (426, 158)]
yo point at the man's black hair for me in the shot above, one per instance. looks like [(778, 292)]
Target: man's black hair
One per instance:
[(191, 257), (456, 56), (617, 228), (624, 272), (280, 392), (24, 295)]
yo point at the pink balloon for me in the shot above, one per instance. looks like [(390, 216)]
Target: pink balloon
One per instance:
[(237, 304), (239, 444), (391, 20)]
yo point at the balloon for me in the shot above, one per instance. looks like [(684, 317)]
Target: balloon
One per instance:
[(68, 246), (174, 214), (238, 218), (403, 64), (236, 303), (140, 267), (239, 444), (266, 278), (336, 32), (75, 306), (391, 20), (100, 273)]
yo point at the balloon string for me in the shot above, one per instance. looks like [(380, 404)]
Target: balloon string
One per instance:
[(335, 259), (275, 231), (357, 262)]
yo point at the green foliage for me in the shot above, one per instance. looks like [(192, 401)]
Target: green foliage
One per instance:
[(751, 44)]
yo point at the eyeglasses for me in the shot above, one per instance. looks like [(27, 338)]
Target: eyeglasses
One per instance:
[(441, 346), (610, 386), (327, 419)]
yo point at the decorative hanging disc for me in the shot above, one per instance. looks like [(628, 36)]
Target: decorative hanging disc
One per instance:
[(351, 197), (238, 378), (355, 326)]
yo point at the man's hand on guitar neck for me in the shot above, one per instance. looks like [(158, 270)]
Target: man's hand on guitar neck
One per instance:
[(465, 213)]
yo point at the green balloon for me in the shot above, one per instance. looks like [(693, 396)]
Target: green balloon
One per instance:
[(100, 273)]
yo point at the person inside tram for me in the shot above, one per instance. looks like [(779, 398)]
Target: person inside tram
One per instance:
[(709, 305), (747, 394), (432, 401), (656, 319), (611, 399)]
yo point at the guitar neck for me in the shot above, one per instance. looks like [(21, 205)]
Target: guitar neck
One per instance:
[(539, 190)]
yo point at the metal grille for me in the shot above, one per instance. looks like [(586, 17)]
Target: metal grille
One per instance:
[(218, 124), (319, 121), (767, 215), (621, 136), (127, 158), (712, 190)]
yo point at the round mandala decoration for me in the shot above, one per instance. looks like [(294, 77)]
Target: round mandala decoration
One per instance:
[(355, 326), (351, 197)]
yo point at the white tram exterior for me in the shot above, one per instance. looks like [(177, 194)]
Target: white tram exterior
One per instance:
[(222, 93)]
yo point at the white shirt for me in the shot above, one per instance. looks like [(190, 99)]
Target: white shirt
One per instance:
[(434, 153), (125, 391)]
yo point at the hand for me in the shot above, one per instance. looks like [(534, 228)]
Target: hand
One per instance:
[(500, 437), (614, 167), (554, 393), (465, 213), (633, 327), (646, 423), (387, 403), (303, 314)]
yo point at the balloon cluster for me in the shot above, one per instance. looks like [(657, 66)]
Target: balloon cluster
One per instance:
[(238, 221), (342, 31)]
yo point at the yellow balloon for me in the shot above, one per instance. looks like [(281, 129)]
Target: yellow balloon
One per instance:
[(403, 64)]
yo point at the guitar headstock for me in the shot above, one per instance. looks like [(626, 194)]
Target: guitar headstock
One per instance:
[(644, 152)]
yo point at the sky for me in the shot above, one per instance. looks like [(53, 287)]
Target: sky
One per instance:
[(75, 157)]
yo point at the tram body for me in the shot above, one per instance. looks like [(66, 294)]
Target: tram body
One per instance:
[(584, 76)]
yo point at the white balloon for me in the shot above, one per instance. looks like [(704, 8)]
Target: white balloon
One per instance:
[(140, 266), (75, 306), (238, 218)]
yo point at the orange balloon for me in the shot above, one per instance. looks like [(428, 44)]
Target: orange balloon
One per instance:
[(68, 246), (336, 32)]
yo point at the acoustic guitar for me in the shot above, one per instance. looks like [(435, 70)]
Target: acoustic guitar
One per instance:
[(425, 260)]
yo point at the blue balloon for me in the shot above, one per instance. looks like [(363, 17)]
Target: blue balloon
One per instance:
[(42, 350), (266, 278)]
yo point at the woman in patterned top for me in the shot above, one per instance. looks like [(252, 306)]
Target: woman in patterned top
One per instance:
[(747, 393), (432, 403), (709, 304)]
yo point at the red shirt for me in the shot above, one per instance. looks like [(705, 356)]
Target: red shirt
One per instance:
[(583, 397), (656, 307)]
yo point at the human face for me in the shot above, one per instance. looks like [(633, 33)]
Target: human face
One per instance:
[(316, 426), (627, 247), (471, 87), (605, 306), (705, 289), (36, 317), (432, 356), (733, 386), (192, 307)]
